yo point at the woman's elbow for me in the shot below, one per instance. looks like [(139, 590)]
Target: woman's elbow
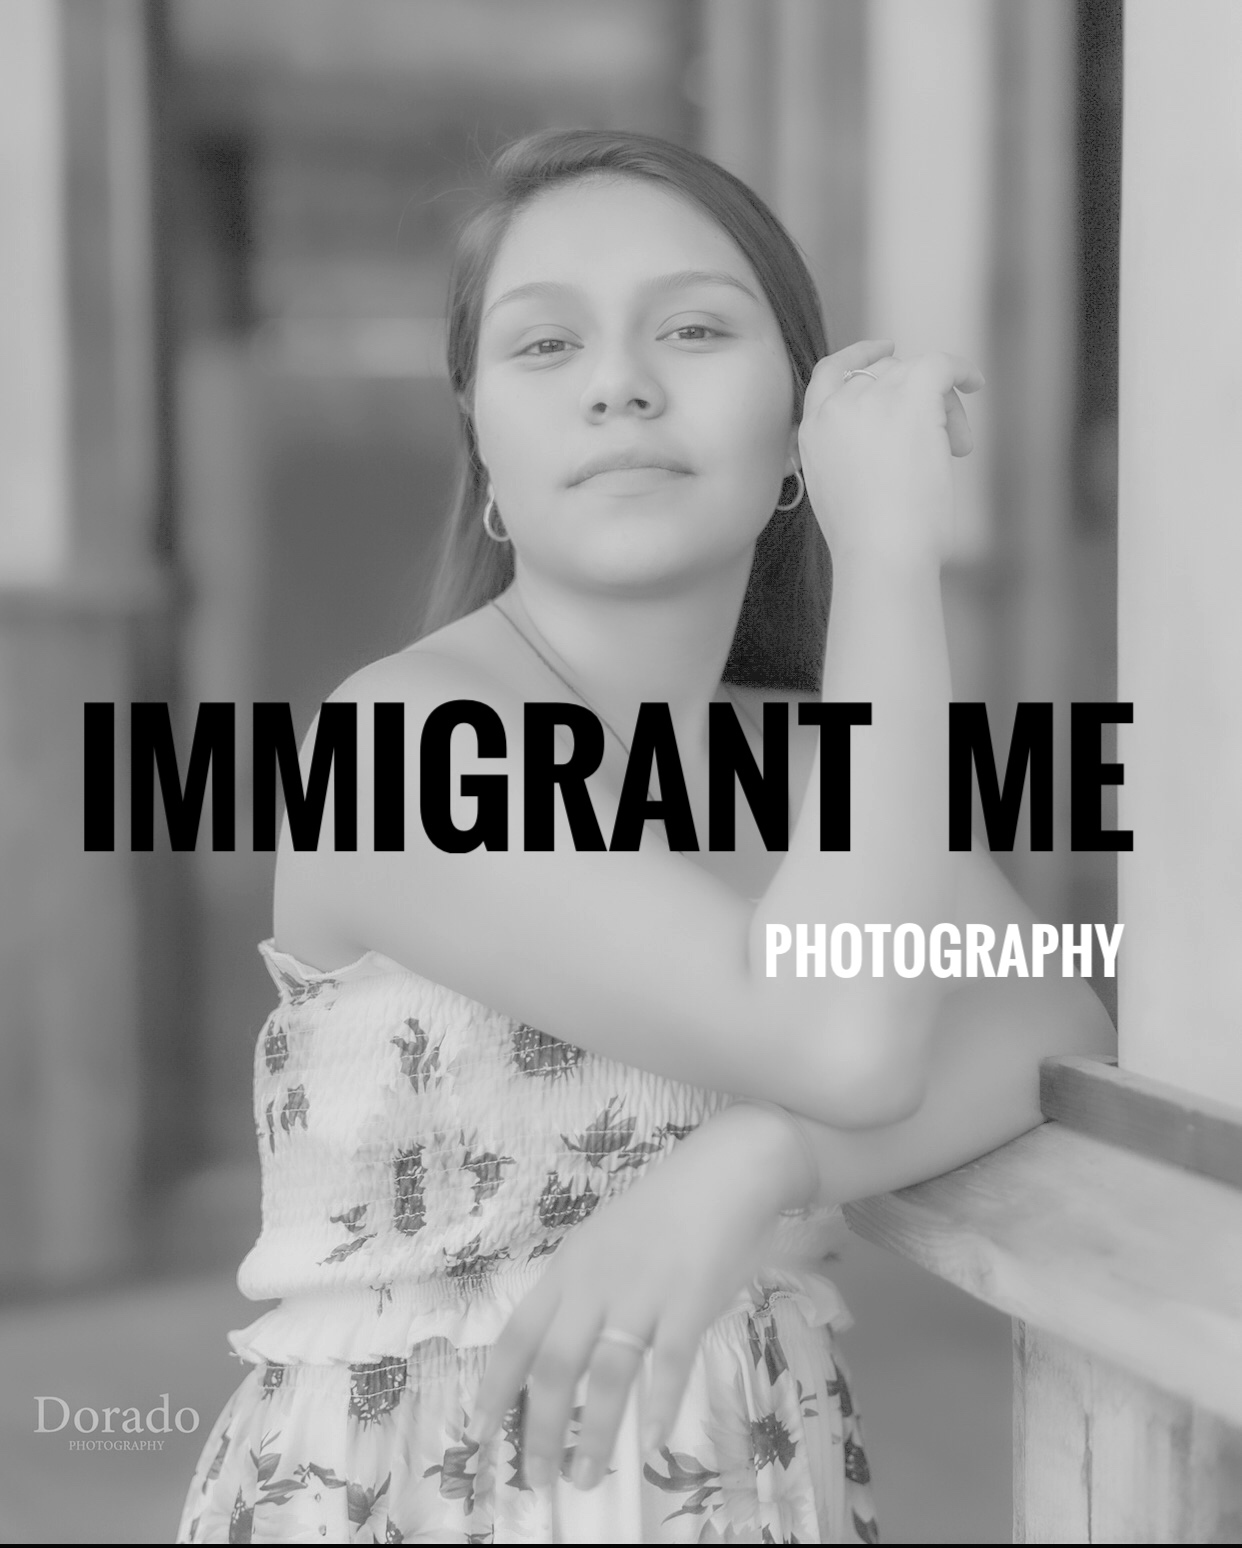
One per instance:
[(867, 1079)]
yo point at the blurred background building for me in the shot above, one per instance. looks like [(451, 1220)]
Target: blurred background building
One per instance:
[(227, 442)]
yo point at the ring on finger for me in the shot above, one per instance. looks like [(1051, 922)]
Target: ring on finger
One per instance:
[(620, 1336), (859, 371)]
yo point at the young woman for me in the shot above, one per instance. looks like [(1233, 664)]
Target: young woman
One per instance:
[(548, 1157)]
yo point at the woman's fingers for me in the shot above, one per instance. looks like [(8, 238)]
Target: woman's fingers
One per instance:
[(856, 356), (829, 373), (961, 442), (614, 1369), (511, 1359), (946, 373), (672, 1357), (951, 375), (550, 1390)]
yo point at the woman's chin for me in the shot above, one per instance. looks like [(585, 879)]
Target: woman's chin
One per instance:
[(638, 569), (663, 554)]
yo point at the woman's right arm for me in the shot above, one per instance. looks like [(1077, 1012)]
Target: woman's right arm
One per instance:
[(644, 957)]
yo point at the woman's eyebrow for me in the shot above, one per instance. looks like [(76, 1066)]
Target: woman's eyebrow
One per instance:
[(534, 289), (683, 279)]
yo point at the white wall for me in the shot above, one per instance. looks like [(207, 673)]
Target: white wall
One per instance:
[(1180, 566)]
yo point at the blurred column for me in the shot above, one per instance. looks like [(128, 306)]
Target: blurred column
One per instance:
[(973, 248), (820, 148), (1038, 624), (781, 88), (1180, 544), (79, 588), (735, 89), (931, 132), (222, 404)]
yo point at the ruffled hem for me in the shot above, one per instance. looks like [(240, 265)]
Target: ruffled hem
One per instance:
[(361, 1326), (767, 1447), (349, 1326)]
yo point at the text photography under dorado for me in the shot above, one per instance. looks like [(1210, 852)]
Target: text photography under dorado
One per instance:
[(653, 762)]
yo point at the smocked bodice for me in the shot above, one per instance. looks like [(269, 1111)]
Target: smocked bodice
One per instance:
[(422, 1154)]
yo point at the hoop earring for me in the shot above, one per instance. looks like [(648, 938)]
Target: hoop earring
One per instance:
[(797, 500), (490, 511)]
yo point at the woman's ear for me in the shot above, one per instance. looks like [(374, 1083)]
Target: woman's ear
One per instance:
[(466, 409), (791, 451)]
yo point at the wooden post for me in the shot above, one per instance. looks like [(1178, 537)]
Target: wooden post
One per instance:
[(1103, 1457)]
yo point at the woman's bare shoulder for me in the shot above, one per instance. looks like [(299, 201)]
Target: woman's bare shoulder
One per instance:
[(457, 658), (453, 663)]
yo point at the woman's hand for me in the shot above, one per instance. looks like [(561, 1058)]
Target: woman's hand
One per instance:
[(661, 1263), (875, 450)]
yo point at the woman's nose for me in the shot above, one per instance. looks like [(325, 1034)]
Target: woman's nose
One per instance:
[(622, 384)]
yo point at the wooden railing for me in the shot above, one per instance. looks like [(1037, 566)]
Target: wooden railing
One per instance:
[(1112, 1235)]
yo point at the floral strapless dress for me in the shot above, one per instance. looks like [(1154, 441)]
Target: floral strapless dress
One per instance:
[(422, 1155)]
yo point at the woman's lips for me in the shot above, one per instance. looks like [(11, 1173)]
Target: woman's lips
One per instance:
[(642, 480), (628, 458)]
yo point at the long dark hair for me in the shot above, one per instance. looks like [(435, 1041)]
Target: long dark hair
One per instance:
[(779, 639)]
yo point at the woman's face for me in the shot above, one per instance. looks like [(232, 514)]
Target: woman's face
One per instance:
[(633, 399)]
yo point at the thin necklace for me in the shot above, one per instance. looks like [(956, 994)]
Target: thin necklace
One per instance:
[(560, 676), (577, 692)]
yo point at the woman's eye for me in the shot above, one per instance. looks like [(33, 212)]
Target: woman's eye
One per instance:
[(545, 347), (694, 333)]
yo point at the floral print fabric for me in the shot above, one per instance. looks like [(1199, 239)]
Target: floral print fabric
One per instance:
[(767, 1449), (409, 1134), (422, 1156)]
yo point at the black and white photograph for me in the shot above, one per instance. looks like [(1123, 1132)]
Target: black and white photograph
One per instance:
[(620, 771)]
